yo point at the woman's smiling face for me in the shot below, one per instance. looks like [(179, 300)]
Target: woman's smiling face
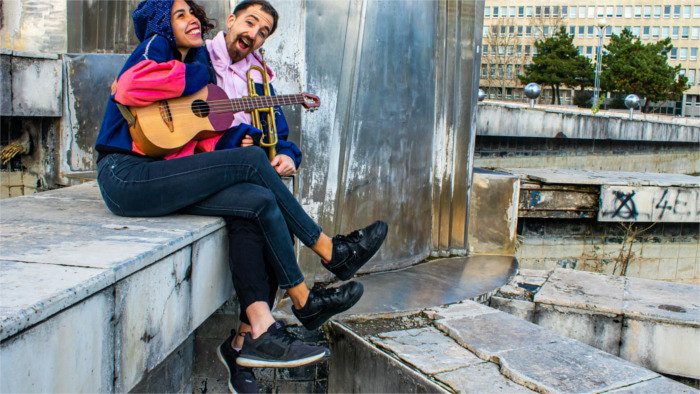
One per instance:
[(186, 27)]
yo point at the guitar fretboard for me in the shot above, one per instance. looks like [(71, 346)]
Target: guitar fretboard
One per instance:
[(250, 103)]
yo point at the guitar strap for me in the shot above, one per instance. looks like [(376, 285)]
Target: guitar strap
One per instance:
[(127, 115)]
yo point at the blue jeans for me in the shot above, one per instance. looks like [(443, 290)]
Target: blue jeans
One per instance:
[(231, 183)]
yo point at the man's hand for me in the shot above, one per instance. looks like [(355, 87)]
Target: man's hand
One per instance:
[(246, 141), (284, 165)]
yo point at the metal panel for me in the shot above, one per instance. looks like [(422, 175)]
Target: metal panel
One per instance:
[(36, 86), (88, 80), (5, 83)]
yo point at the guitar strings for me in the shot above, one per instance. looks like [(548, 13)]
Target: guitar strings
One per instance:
[(228, 104)]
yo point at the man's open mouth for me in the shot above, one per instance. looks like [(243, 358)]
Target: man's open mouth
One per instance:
[(244, 43)]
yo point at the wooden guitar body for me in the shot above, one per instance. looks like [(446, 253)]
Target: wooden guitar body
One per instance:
[(164, 127)]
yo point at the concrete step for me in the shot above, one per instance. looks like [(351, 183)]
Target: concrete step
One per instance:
[(469, 347), (142, 284), (655, 324)]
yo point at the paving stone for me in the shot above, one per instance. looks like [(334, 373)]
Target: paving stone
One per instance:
[(490, 334), (455, 311), (598, 329), (33, 292), (656, 385), (569, 366), (480, 378), (427, 349), (669, 302), (519, 308), (583, 290)]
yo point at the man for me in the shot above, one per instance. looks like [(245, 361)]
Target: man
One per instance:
[(260, 341)]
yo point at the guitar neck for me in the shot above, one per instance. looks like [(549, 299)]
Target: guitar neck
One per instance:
[(251, 103)]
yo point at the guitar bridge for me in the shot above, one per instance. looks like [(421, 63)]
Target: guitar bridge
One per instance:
[(166, 115)]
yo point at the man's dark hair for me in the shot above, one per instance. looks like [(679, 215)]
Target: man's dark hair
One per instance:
[(264, 6)]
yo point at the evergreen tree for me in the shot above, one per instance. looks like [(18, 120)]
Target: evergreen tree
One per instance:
[(642, 69), (558, 62)]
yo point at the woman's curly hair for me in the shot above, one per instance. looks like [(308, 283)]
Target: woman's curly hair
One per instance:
[(198, 11)]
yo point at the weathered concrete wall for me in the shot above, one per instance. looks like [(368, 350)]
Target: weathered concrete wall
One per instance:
[(665, 251), (518, 120)]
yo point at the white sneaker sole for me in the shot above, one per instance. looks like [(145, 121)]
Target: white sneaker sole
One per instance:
[(254, 363), (221, 358)]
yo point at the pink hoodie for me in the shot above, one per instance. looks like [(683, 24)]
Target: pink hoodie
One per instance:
[(232, 77)]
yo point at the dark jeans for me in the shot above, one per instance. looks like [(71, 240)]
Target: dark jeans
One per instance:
[(230, 183), (253, 278)]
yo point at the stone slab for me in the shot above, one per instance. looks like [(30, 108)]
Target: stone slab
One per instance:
[(600, 330), (656, 385), (152, 317), (70, 352), (459, 310), (668, 348), (491, 334), (519, 308), (30, 293), (427, 349), (481, 378), (569, 367), (211, 276), (583, 290), (668, 302)]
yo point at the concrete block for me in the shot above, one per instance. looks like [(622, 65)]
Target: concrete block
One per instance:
[(211, 276), (662, 347), (459, 310), (597, 329), (526, 251), (488, 335), (146, 332), (569, 366), (480, 378), (70, 352), (519, 308), (687, 250), (661, 328), (583, 290), (669, 302), (656, 385), (686, 268), (667, 269), (653, 250), (33, 292), (427, 349)]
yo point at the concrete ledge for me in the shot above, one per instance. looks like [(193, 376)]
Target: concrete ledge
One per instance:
[(654, 324), (469, 347), (142, 285)]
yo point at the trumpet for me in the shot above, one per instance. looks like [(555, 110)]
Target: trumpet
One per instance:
[(269, 139)]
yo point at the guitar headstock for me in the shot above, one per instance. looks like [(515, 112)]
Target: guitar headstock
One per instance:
[(311, 102)]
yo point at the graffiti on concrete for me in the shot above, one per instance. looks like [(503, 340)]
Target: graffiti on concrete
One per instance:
[(649, 204)]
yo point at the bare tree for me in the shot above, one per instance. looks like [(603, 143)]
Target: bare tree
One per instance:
[(503, 54)]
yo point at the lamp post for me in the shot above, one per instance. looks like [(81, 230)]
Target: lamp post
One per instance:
[(632, 102), (532, 91), (596, 88)]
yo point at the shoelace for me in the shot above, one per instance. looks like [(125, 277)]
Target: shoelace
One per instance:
[(354, 237), (284, 336), (332, 292)]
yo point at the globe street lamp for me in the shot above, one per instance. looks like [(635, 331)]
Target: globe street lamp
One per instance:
[(481, 95), (596, 88), (532, 91), (631, 102)]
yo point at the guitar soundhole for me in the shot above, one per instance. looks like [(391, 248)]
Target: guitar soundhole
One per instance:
[(200, 108)]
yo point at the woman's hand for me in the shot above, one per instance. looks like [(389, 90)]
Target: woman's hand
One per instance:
[(246, 141), (284, 165)]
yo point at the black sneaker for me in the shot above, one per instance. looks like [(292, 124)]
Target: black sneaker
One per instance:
[(276, 348), (324, 303), (352, 251), (240, 379)]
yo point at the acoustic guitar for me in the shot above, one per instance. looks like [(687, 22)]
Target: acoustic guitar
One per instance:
[(165, 126)]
